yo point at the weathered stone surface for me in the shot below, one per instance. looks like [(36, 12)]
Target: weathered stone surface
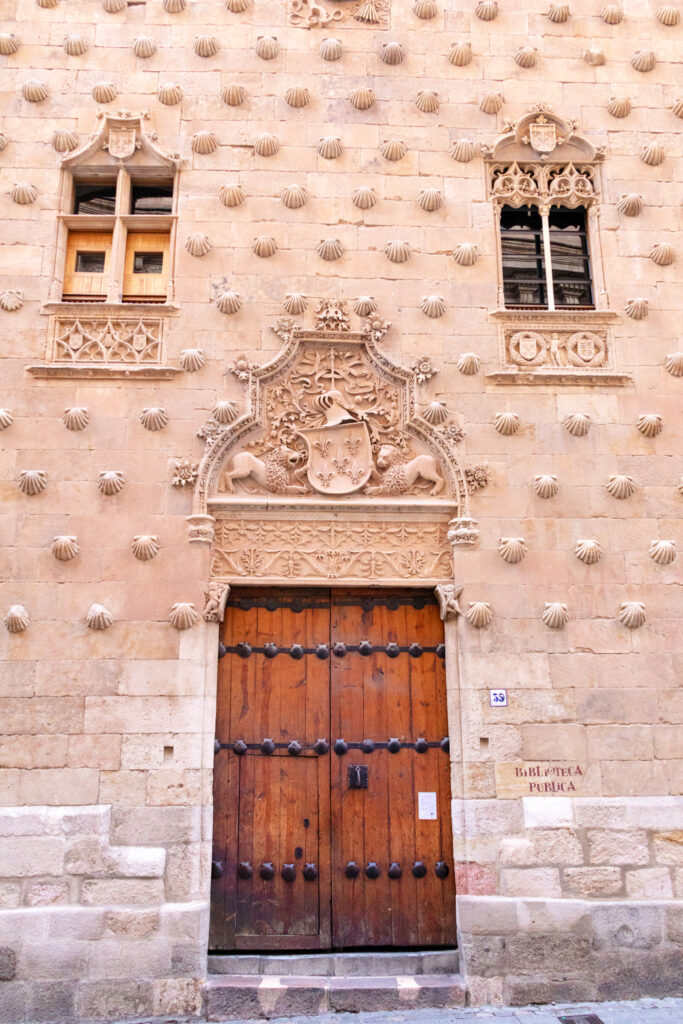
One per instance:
[(8, 963)]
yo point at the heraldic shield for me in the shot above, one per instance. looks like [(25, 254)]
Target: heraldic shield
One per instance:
[(339, 457)]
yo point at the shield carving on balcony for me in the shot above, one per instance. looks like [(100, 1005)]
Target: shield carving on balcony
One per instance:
[(543, 135), (339, 457)]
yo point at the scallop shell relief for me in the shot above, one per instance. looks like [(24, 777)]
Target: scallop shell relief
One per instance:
[(64, 548), (512, 549)]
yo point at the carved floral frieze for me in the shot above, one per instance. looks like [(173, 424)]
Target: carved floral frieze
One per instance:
[(312, 14)]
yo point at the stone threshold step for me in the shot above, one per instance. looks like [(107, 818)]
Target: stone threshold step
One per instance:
[(255, 997), (395, 962)]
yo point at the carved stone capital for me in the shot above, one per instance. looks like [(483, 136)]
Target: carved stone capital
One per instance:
[(216, 595), (463, 532), (447, 595), (201, 529)]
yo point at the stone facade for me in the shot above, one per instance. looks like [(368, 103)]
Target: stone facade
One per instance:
[(560, 446)]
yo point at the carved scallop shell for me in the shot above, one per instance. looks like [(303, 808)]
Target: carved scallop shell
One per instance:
[(206, 46), (392, 52), (491, 103), (435, 413), (578, 423), (619, 106), (460, 54), (677, 108), (64, 548), (632, 614), (264, 246), (663, 552), (111, 481), (555, 615), (643, 60), (630, 204), (362, 99), (431, 199), (204, 142), (98, 617), (468, 363), (154, 418), (63, 141), (330, 249), (11, 300), (364, 305), (512, 549), (267, 47), (668, 15), (546, 485), (479, 614), (486, 10), (397, 252), (466, 254), (621, 486), (507, 423), (588, 550), (174, 6), (198, 244), (594, 57), (330, 147), (237, 6), (297, 96), (6, 419), (75, 45), (663, 254), (559, 13), (433, 306), (233, 94), (145, 546), (330, 49), (17, 619), (3, 141), (650, 424), (183, 615), (232, 195), (76, 418), (228, 302), (169, 94), (393, 149), (463, 150), (104, 92), (294, 197), (425, 9), (23, 193), (47, 4), (526, 56), (427, 101), (637, 309), (266, 144), (295, 303), (192, 359), (34, 91), (114, 6), (225, 412), (144, 47), (32, 481), (364, 197), (674, 364), (612, 14), (8, 43), (368, 13)]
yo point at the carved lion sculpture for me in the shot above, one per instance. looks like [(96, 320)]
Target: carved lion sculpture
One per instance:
[(399, 474), (269, 471)]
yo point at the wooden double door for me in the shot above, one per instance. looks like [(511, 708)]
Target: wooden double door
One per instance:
[(332, 824)]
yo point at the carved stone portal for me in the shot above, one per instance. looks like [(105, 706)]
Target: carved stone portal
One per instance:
[(331, 473)]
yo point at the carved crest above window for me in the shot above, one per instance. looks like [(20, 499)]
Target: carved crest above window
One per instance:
[(123, 136)]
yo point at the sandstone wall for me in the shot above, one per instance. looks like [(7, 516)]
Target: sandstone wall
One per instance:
[(105, 757)]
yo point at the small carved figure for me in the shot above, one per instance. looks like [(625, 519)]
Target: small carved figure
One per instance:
[(269, 471), (216, 595), (400, 474)]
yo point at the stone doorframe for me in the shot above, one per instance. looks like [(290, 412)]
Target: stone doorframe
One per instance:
[(385, 532)]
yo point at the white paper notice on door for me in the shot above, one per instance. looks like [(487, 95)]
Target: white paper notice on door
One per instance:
[(426, 806)]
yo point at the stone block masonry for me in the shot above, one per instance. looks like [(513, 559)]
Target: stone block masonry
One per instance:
[(387, 135)]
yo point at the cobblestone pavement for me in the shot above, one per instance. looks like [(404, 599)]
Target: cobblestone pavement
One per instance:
[(642, 1011)]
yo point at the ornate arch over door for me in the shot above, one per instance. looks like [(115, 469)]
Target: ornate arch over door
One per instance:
[(336, 472)]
